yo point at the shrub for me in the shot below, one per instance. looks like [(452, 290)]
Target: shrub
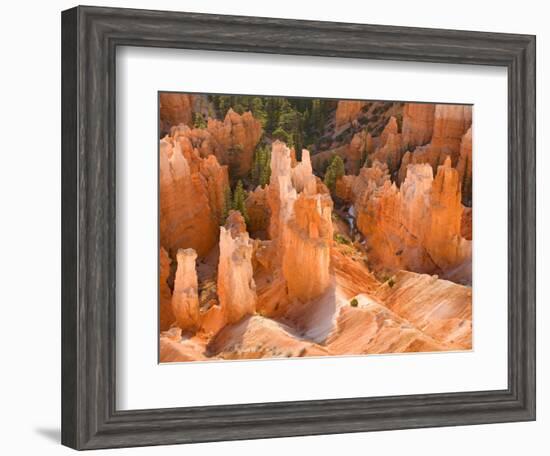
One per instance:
[(354, 302), (341, 239)]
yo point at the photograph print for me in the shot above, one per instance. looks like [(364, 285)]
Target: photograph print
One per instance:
[(309, 227)]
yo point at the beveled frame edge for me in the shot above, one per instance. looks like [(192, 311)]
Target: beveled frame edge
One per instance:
[(90, 36)]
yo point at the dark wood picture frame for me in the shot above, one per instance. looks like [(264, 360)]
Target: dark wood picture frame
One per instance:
[(90, 36)]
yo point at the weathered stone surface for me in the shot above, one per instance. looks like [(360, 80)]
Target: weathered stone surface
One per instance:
[(258, 211), (175, 109), (236, 286), (307, 240), (166, 316), (347, 111), (418, 123), (466, 223), (188, 203), (417, 227), (464, 167), (232, 140), (439, 308), (185, 299)]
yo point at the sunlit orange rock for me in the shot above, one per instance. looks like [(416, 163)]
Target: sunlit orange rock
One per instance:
[(232, 140), (418, 227), (188, 203), (236, 286), (360, 147), (185, 299), (439, 308), (175, 109), (418, 123), (347, 111), (307, 240)]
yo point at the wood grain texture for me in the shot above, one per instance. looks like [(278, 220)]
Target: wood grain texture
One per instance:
[(89, 39)]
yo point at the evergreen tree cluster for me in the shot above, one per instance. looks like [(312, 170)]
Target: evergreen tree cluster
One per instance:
[(198, 120), (261, 168), (334, 172), (236, 201), (299, 122)]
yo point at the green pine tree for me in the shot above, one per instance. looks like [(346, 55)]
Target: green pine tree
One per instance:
[(258, 111), (334, 172), (261, 168), (239, 198), (198, 120)]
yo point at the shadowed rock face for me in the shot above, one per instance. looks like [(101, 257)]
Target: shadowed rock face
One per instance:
[(165, 295)]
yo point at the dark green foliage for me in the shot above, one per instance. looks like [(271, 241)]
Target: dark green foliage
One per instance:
[(239, 198), (341, 239), (282, 135), (334, 172), (354, 302), (198, 120), (258, 110), (261, 168), (296, 121)]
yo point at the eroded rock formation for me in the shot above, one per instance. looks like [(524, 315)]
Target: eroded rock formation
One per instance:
[(166, 317), (417, 227), (185, 299), (236, 286), (191, 196), (347, 111), (175, 109)]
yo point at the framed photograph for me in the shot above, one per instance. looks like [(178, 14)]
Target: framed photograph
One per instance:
[(280, 228)]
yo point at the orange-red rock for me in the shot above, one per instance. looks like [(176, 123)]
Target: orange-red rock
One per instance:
[(189, 200), (347, 111), (236, 286), (464, 167), (185, 299), (417, 227), (418, 123), (307, 240), (175, 109), (258, 210), (166, 316)]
